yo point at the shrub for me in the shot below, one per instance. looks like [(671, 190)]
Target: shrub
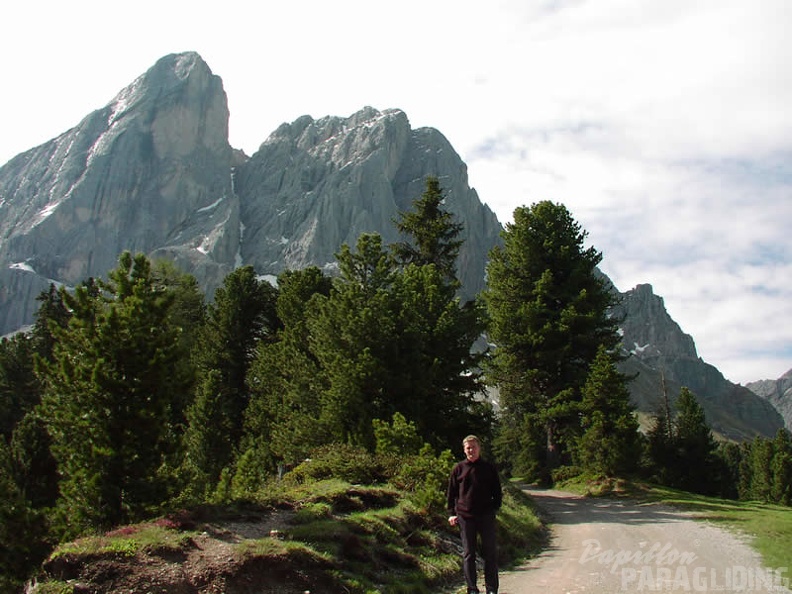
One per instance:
[(399, 438), (340, 461), (425, 476)]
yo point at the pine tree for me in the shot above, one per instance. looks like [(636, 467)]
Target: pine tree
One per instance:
[(51, 311), (285, 380), (548, 316), (108, 397), (730, 457), (437, 331), (19, 387), (661, 449), (781, 467), (22, 530), (761, 470), (432, 231), (437, 376), (187, 313), (35, 469), (353, 335), (610, 442), (241, 317), (695, 446)]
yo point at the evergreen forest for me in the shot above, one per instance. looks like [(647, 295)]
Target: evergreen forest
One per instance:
[(133, 395)]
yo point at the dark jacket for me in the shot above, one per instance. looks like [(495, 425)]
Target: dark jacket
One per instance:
[(474, 489)]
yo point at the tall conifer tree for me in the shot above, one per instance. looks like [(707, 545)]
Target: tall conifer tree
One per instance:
[(433, 235), (610, 441), (241, 317), (548, 317), (108, 396)]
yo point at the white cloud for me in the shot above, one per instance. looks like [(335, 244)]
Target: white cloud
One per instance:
[(663, 126)]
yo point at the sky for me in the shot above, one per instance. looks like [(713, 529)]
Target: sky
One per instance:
[(664, 126)]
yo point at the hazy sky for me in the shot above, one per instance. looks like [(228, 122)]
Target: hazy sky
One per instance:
[(665, 126)]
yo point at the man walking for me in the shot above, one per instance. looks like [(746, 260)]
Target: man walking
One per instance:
[(474, 496)]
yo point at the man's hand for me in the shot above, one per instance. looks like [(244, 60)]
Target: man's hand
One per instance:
[(452, 520)]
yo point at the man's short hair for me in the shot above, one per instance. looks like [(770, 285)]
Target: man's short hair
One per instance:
[(471, 438)]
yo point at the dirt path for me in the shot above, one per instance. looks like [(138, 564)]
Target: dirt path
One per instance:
[(602, 546)]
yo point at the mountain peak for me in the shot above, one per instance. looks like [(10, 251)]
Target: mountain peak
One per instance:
[(181, 65)]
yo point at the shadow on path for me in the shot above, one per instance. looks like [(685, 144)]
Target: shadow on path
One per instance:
[(568, 508)]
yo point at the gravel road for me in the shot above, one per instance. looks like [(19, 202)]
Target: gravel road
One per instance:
[(602, 546)]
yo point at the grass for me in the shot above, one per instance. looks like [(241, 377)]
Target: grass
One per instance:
[(127, 541)]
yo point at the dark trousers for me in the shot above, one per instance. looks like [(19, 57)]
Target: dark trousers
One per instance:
[(470, 528)]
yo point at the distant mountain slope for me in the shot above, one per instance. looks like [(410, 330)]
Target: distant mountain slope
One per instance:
[(666, 358), (153, 172), (778, 393)]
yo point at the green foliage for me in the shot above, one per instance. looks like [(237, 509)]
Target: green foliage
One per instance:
[(350, 463), (438, 373), (19, 388), (109, 396), (425, 477), (389, 341), (399, 438), (380, 339), (127, 541), (54, 587), (520, 531), (34, 468), (432, 231), (241, 317), (310, 512), (548, 316), (206, 442), (764, 469), (284, 379), (186, 313), (729, 457), (683, 451), (610, 441), (253, 470), (353, 336), (22, 530), (52, 313)]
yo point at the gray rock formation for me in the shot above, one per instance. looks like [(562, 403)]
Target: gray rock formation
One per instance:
[(153, 172), (149, 172), (317, 184), (778, 393), (665, 359)]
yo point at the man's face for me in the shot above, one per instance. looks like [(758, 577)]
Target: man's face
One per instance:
[(472, 450)]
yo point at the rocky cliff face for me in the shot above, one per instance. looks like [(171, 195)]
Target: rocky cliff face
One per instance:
[(153, 172), (778, 393), (149, 172), (317, 184), (665, 359)]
